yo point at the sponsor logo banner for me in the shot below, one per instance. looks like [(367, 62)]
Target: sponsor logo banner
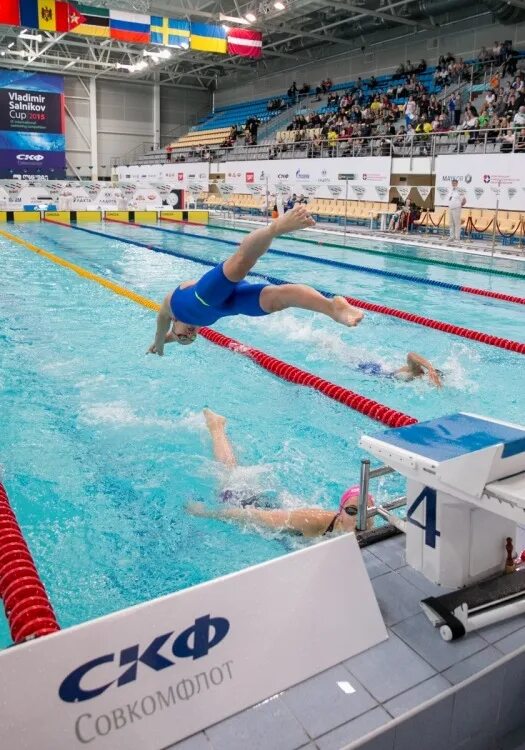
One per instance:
[(153, 674), (483, 181)]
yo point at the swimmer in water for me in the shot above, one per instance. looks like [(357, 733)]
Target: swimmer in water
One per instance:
[(308, 522), (223, 290), (416, 367)]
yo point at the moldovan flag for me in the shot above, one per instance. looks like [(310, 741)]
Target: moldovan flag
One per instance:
[(95, 23), (129, 27), (49, 15), (9, 13), (244, 43), (171, 32), (208, 37)]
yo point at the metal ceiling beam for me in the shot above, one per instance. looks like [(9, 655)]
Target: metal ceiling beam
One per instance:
[(383, 14)]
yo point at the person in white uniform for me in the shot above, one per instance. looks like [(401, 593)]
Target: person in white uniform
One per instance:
[(456, 201)]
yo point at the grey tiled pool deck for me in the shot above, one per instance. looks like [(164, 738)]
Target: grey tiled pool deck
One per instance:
[(342, 705)]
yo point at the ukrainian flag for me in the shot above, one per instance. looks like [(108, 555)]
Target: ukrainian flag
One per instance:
[(208, 37), (170, 32)]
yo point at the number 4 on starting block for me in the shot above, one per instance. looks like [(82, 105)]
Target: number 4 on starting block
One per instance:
[(427, 496)]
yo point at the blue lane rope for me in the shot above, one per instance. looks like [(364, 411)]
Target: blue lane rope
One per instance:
[(316, 259)]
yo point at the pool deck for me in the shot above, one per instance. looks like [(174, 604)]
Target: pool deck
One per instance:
[(341, 706)]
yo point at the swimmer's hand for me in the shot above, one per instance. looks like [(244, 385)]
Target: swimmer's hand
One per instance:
[(297, 218), (158, 348), (434, 378)]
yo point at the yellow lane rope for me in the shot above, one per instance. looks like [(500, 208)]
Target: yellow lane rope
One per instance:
[(116, 288)]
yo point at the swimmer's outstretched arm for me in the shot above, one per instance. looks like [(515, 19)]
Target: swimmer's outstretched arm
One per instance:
[(164, 320), (417, 365), (310, 522)]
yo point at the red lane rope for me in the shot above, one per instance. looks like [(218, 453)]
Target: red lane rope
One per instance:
[(369, 407), (27, 606), (438, 325), (495, 295)]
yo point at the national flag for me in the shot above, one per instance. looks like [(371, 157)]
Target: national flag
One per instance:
[(9, 13), (171, 32), (49, 15), (245, 43), (208, 37), (96, 21), (129, 27)]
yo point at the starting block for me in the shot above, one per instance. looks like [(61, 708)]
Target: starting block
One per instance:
[(465, 493)]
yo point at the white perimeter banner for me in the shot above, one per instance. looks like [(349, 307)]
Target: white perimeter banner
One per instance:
[(148, 676), (190, 176), (481, 178), (368, 178)]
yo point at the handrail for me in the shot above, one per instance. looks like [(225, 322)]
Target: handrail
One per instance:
[(419, 144)]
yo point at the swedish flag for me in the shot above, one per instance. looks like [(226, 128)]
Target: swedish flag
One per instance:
[(170, 32), (208, 37)]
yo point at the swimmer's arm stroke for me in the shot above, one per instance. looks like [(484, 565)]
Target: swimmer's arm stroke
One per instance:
[(416, 360)]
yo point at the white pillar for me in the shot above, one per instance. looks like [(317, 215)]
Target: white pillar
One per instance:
[(93, 134), (156, 113)]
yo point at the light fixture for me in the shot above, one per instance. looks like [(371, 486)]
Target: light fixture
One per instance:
[(251, 17), (30, 37), (233, 19), (279, 5), (11, 44)]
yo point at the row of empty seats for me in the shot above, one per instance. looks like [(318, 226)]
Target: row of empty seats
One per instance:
[(201, 139)]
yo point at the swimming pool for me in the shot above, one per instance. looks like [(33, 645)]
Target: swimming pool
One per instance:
[(102, 446)]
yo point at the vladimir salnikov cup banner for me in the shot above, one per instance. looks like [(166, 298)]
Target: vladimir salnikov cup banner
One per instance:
[(32, 132)]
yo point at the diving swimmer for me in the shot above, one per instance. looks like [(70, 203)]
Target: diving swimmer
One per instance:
[(416, 367), (308, 522), (223, 291)]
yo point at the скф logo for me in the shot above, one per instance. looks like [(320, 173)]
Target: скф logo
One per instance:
[(195, 642), (29, 157)]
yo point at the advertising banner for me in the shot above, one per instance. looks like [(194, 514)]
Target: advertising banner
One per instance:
[(32, 133), (150, 675), (191, 177), (482, 179), (368, 178)]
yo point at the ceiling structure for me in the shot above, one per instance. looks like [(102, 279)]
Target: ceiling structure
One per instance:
[(294, 32)]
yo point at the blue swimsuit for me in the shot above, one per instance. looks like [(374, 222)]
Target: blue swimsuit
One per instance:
[(374, 368), (214, 297)]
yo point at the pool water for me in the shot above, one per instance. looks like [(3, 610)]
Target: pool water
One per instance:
[(103, 446)]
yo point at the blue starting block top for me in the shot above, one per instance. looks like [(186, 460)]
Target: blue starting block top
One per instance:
[(455, 435)]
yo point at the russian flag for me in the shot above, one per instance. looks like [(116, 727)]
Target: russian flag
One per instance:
[(245, 43), (129, 27)]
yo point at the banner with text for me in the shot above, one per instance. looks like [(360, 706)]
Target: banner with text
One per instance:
[(148, 676), (32, 133), (482, 179), (368, 179), (191, 177)]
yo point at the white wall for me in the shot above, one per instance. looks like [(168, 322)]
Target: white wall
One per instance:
[(125, 118), (382, 58)]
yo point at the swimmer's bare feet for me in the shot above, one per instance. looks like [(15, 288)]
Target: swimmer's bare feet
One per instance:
[(213, 420), (345, 313)]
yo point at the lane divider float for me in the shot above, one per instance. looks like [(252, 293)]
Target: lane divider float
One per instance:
[(438, 325), (26, 603), (449, 286), (366, 251), (285, 371)]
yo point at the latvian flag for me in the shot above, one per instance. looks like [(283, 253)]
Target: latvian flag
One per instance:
[(245, 43)]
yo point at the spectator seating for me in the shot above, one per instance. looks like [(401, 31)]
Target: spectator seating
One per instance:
[(195, 139)]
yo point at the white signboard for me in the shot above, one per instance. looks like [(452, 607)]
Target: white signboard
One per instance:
[(368, 177), (190, 176), (482, 177), (153, 674)]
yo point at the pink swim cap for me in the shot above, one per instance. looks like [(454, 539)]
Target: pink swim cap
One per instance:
[(352, 493)]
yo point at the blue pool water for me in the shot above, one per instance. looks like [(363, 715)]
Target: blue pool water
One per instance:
[(102, 446)]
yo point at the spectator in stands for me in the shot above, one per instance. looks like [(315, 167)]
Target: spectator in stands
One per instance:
[(326, 85), (304, 90), (332, 138), (518, 120), (410, 111), (292, 92), (423, 130), (457, 109), (484, 55), (510, 60), (496, 53), (169, 150), (372, 84), (422, 66)]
